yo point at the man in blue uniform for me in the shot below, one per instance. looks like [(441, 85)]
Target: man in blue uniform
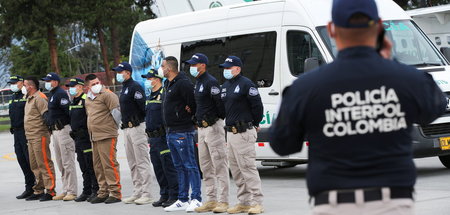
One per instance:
[(244, 111), (178, 109), (357, 114), (80, 134), (166, 174), (58, 122), (132, 108), (16, 115), (211, 136)]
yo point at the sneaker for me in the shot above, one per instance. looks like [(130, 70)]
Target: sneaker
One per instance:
[(193, 205), (69, 197), (97, 200), (221, 207), (256, 209), (130, 200), (168, 203), (111, 200), (46, 197), (34, 197), (91, 197), (159, 203), (83, 197), (208, 206), (239, 209), (177, 206), (59, 197), (25, 194), (143, 201)]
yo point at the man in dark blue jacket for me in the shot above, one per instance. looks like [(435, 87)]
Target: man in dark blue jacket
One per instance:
[(178, 109), (357, 114), (83, 145), (58, 122), (160, 154), (16, 115)]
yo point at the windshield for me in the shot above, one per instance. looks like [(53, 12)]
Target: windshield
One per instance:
[(411, 47)]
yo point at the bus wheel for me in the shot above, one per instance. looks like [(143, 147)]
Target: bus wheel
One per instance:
[(445, 160)]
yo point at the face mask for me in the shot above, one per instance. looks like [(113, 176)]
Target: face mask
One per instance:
[(14, 88), (148, 84), (227, 74), (120, 78), (48, 86), (24, 90), (194, 71), (73, 91), (96, 88)]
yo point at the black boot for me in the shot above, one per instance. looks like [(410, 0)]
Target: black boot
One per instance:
[(92, 196), (34, 197), (46, 197), (111, 200), (25, 194), (97, 200), (168, 203), (83, 197), (159, 202)]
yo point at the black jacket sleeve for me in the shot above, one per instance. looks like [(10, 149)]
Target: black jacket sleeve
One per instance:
[(187, 92), (256, 105), (140, 99), (435, 103), (215, 95)]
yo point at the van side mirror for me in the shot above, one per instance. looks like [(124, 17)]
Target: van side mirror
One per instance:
[(446, 52), (311, 63)]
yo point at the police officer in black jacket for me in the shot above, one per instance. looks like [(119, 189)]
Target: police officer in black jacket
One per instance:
[(80, 134), (160, 155), (132, 108), (58, 121), (357, 114), (16, 115), (244, 112)]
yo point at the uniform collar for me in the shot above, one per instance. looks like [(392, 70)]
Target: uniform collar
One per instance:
[(54, 89), (357, 51), (237, 77), (128, 81), (180, 75), (203, 76)]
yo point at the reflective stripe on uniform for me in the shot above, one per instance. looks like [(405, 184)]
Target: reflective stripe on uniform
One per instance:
[(153, 101), (164, 151), (75, 106), (87, 150), (47, 166), (111, 160)]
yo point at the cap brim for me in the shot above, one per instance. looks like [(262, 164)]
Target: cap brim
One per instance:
[(118, 69), (144, 76), (12, 82), (46, 79), (192, 62), (226, 65)]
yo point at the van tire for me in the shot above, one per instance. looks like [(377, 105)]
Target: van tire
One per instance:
[(445, 160)]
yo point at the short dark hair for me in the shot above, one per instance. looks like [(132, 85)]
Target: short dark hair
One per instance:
[(34, 81), (172, 62), (90, 77)]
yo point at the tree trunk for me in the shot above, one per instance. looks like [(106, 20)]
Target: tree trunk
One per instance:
[(115, 44), (103, 48), (51, 39)]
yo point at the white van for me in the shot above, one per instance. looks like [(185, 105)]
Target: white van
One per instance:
[(277, 40)]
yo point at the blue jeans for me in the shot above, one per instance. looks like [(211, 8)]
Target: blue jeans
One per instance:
[(181, 146)]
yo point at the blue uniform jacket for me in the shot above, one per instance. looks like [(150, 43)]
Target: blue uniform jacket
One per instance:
[(58, 106), (242, 101), (357, 113), (132, 101), (153, 118), (207, 97), (78, 117), (17, 110)]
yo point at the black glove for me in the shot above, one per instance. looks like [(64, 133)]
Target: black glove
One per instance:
[(11, 130)]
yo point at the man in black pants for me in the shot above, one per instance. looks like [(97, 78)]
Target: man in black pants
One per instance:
[(16, 114), (79, 133)]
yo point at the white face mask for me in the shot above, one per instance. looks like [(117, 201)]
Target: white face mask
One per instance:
[(14, 88), (24, 90), (96, 88), (48, 86)]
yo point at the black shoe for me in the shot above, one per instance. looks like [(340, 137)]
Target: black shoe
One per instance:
[(159, 203), (111, 200), (168, 203), (91, 197), (34, 197), (46, 197), (83, 197), (98, 200), (25, 194)]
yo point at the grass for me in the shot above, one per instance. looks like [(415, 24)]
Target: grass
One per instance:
[(5, 128), (4, 119)]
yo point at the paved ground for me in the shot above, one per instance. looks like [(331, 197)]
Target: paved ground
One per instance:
[(284, 189)]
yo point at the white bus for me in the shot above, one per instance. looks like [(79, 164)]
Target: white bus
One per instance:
[(279, 40)]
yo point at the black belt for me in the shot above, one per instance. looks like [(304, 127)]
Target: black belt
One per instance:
[(373, 194), (156, 133), (241, 128), (207, 122)]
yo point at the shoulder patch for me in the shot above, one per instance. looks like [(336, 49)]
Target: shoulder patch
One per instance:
[(200, 90), (126, 91), (138, 95), (64, 101), (253, 91), (215, 90), (237, 89)]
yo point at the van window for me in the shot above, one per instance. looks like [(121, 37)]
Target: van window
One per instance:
[(300, 46), (257, 52)]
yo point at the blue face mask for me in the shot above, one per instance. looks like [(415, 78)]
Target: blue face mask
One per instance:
[(227, 74), (148, 84), (14, 88), (120, 78), (48, 86), (73, 91), (194, 71)]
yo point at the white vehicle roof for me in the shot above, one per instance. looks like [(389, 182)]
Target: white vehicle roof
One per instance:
[(441, 13)]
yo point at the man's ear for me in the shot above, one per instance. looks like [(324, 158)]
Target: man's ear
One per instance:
[(331, 30)]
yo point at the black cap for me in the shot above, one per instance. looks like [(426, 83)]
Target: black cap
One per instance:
[(74, 81), (14, 79)]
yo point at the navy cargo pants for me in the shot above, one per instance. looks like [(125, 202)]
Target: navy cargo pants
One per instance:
[(21, 150)]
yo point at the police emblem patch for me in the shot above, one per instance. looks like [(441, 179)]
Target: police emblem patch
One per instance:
[(215, 90), (126, 91), (200, 89), (64, 101), (237, 89), (253, 91), (138, 95), (51, 99)]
